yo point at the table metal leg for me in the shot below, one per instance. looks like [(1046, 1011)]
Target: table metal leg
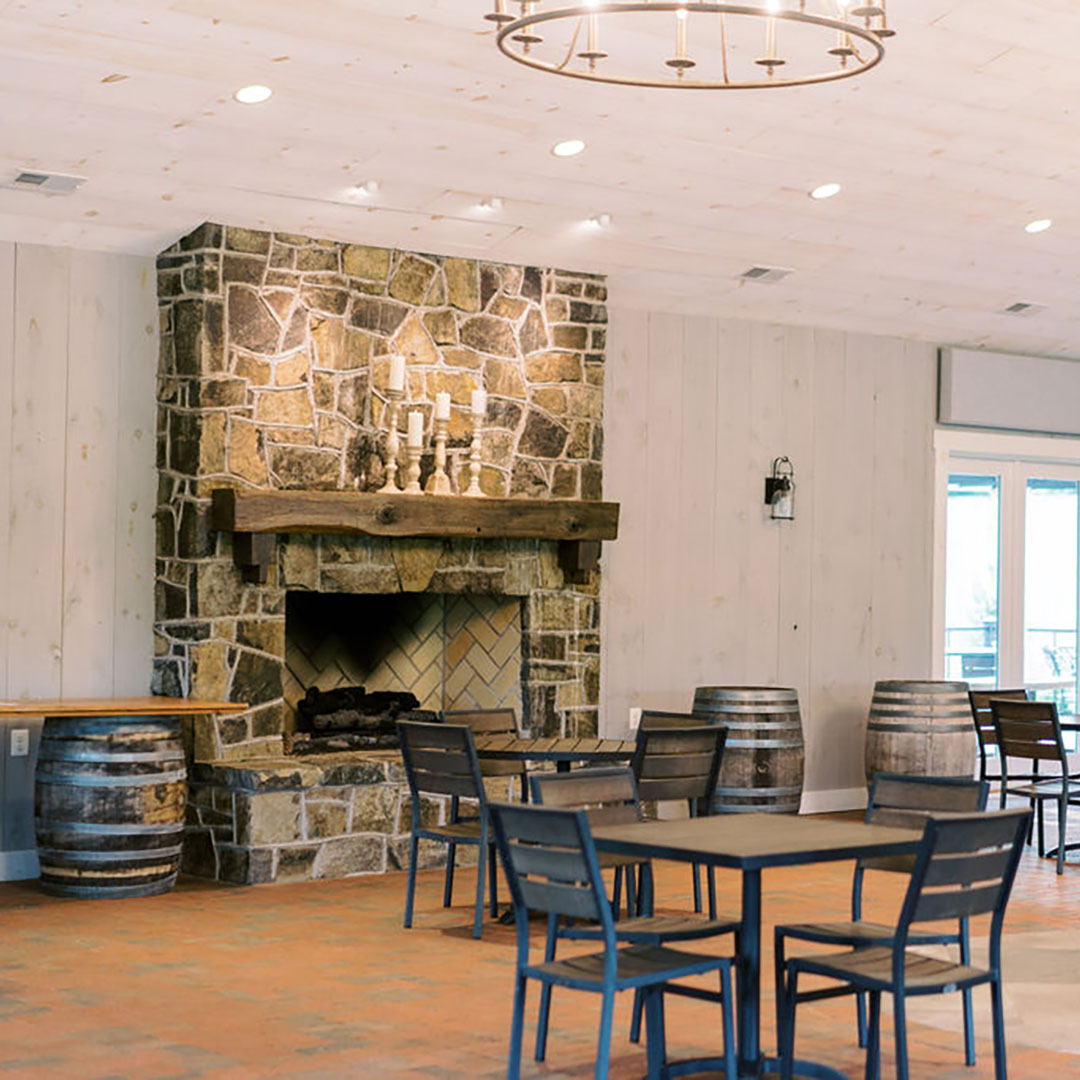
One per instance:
[(749, 976)]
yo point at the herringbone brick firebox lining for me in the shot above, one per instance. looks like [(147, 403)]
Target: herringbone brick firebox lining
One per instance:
[(452, 652)]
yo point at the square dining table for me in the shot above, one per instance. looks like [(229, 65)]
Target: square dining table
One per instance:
[(750, 843)]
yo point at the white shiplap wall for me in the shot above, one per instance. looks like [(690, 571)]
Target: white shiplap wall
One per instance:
[(702, 588), (78, 357)]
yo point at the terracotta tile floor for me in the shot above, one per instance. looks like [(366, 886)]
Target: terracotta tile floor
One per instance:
[(320, 981)]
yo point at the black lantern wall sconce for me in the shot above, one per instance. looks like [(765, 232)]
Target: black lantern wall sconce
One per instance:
[(780, 490)]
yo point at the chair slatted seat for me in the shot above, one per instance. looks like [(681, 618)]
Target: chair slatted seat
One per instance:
[(440, 759), (552, 867), (1031, 730), (965, 867), (902, 802)]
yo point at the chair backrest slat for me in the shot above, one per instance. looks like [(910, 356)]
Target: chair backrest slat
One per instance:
[(906, 802), (483, 721), (688, 766), (440, 760), (652, 719), (551, 866), (584, 787), (926, 793), (980, 710), (964, 869), (558, 863), (1028, 729), (679, 763), (965, 866), (574, 901), (957, 904)]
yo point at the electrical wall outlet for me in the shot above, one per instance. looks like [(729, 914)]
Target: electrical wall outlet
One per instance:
[(20, 742), (635, 717)]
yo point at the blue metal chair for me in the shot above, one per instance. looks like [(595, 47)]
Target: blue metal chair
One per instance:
[(551, 867), (678, 757), (440, 759), (964, 867), (609, 797), (904, 801)]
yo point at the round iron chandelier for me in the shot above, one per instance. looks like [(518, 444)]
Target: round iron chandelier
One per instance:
[(695, 44)]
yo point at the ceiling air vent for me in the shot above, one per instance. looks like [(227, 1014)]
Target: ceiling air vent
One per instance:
[(764, 275), (53, 183), (1023, 307)]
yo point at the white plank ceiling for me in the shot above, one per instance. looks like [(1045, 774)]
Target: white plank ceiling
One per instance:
[(967, 131)]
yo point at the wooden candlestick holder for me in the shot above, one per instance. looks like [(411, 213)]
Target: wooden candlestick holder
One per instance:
[(393, 443), (439, 483), (474, 459), (412, 470)]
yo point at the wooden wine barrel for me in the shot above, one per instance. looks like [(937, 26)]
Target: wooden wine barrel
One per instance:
[(921, 729), (762, 766), (109, 805)]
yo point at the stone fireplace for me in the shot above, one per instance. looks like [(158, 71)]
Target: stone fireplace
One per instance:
[(273, 371)]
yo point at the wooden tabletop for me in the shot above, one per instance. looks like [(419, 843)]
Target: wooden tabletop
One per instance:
[(131, 706), (508, 747), (754, 841)]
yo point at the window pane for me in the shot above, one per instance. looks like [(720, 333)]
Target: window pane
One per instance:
[(971, 579), (1050, 598)]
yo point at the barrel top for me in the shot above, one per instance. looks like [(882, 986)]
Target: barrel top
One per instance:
[(118, 708), (920, 686), (762, 691)]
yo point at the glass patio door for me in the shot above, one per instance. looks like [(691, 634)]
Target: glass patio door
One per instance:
[(1012, 601)]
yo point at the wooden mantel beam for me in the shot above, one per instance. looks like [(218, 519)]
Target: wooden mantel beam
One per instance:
[(412, 515)]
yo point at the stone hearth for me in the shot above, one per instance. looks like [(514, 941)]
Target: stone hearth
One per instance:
[(274, 361)]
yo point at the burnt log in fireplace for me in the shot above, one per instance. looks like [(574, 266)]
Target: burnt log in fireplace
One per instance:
[(350, 718)]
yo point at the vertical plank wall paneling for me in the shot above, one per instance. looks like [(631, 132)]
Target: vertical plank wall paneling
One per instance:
[(78, 356), (702, 587)]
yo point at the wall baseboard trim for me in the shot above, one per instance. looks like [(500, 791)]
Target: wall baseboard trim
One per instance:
[(832, 800), (19, 865)]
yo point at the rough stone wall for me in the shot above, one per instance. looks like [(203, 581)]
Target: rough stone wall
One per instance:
[(275, 357), (311, 818)]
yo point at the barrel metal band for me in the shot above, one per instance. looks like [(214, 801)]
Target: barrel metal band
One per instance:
[(60, 753), (80, 780), (94, 828), (756, 792), (90, 892), (750, 744), (63, 856), (920, 729)]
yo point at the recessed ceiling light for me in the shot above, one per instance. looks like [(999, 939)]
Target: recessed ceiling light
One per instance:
[(253, 95), (568, 147), (600, 221), (490, 206), (825, 191), (367, 187), (1040, 225)]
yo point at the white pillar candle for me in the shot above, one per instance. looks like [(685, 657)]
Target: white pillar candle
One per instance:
[(397, 372), (416, 428), (479, 402), (442, 406)]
